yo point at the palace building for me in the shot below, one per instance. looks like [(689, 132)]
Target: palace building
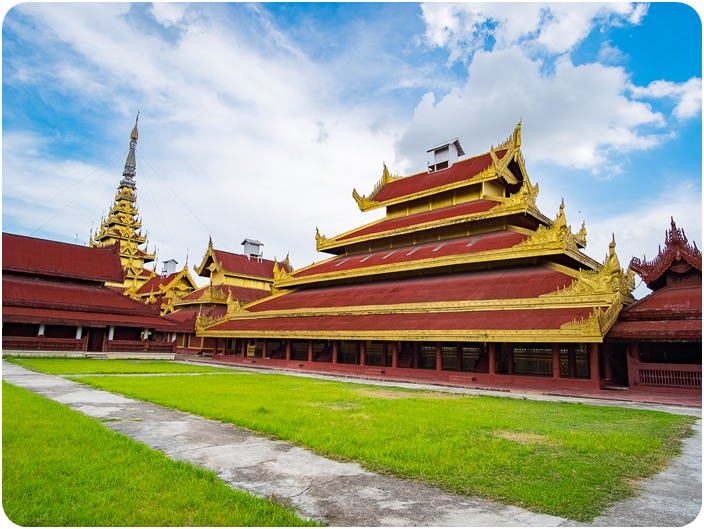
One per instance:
[(55, 299), (233, 279), (463, 281)]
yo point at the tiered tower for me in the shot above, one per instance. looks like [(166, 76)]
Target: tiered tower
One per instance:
[(122, 226)]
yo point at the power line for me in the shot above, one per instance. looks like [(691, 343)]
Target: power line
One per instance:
[(42, 206)]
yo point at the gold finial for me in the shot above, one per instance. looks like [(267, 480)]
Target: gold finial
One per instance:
[(134, 135)]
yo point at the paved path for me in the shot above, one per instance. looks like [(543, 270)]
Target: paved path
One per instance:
[(344, 494)]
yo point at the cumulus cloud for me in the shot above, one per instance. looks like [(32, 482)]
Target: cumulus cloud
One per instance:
[(555, 28), (245, 140), (687, 95), (576, 116)]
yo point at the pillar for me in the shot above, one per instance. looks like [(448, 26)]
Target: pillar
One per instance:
[(556, 371), (111, 332), (244, 347), (634, 350), (571, 361), (41, 329), (459, 357), (594, 361), (394, 354), (438, 356), (215, 347), (416, 354), (335, 350), (491, 350), (288, 349), (509, 359), (363, 353), (384, 354), (264, 346), (79, 332), (608, 372), (310, 350)]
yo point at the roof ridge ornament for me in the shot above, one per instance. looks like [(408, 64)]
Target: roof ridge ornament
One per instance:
[(677, 248)]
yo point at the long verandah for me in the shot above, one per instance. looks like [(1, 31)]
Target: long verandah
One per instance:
[(558, 365)]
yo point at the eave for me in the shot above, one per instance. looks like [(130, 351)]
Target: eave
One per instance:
[(520, 251)]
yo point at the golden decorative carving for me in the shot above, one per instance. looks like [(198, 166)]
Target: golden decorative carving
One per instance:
[(281, 273), (599, 321), (364, 203), (608, 278), (319, 239)]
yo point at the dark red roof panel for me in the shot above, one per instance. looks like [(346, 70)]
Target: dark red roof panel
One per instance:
[(657, 330), (463, 245), (483, 285), (668, 301), (461, 170), (88, 319), (155, 282), (458, 210), (241, 264), (238, 293), (19, 291), (537, 319), (42, 257)]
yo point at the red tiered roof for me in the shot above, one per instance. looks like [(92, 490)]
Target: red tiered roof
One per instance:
[(422, 182), (50, 282), (464, 245), (483, 285), (459, 210), (58, 259)]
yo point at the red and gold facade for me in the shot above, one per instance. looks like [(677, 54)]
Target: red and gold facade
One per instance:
[(464, 281), (658, 340)]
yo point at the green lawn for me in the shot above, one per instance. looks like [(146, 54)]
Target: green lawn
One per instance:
[(79, 366), (61, 468), (569, 460)]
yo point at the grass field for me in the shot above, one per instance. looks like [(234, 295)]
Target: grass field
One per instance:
[(569, 460), (61, 468), (78, 366)]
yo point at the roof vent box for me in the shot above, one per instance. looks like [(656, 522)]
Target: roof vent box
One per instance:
[(444, 155)]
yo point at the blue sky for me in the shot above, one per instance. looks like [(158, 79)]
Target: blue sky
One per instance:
[(258, 120)]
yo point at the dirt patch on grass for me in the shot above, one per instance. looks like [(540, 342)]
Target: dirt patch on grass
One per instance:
[(339, 406), (524, 438), (389, 394)]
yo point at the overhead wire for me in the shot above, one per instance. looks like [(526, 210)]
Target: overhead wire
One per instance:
[(106, 165), (185, 205)]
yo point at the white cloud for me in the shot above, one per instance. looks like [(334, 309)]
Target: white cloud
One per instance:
[(168, 13), (555, 28), (576, 117), (688, 95), (228, 134)]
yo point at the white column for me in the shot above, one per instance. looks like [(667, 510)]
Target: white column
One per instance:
[(111, 332), (41, 330), (79, 332)]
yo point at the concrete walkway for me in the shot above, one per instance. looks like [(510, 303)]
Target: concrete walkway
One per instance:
[(344, 494)]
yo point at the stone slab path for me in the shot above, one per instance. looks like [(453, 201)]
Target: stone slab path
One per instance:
[(344, 494)]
